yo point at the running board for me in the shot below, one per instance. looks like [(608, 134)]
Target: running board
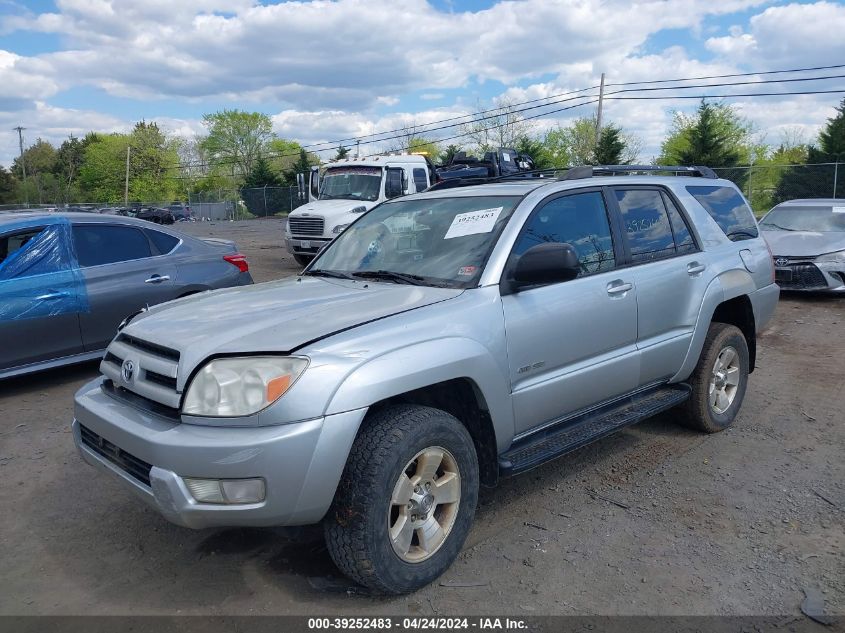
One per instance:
[(588, 427)]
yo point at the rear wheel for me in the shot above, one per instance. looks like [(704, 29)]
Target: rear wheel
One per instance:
[(302, 260), (406, 499), (719, 380)]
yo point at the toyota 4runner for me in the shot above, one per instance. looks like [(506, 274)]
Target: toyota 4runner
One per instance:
[(443, 341)]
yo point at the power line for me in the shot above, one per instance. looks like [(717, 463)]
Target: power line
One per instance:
[(608, 95), (509, 107)]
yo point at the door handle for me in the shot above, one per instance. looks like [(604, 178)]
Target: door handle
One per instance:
[(157, 279), (52, 296), (615, 288), (694, 268)]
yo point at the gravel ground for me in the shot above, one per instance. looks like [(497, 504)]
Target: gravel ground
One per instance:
[(653, 520)]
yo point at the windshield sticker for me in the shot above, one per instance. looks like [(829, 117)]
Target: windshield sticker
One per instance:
[(839, 209), (473, 222), (467, 271)]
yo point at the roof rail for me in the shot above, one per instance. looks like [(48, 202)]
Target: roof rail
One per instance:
[(588, 171), (521, 176)]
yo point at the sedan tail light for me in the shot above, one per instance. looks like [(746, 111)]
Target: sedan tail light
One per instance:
[(238, 260)]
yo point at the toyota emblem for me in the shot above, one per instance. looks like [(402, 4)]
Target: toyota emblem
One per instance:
[(781, 261), (127, 370)]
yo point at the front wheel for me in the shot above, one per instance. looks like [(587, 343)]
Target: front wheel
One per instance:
[(719, 380), (406, 499)]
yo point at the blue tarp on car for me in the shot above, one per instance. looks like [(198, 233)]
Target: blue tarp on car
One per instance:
[(42, 278)]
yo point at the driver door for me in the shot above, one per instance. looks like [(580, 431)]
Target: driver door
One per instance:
[(572, 344)]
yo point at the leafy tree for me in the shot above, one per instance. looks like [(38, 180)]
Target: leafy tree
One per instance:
[(303, 164), (342, 152), (534, 148), (283, 153), (8, 186), (448, 153), (503, 128), (69, 159), (813, 180), (261, 175), (422, 145), (611, 147), (237, 138), (40, 185), (575, 144)]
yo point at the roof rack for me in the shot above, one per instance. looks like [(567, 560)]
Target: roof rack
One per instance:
[(588, 171), (522, 176)]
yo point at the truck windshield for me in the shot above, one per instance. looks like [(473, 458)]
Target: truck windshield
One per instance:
[(438, 241), (352, 183)]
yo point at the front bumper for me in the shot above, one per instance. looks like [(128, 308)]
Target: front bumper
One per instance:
[(811, 276), (305, 246), (300, 462)]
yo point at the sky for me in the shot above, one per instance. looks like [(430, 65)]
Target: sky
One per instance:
[(326, 70)]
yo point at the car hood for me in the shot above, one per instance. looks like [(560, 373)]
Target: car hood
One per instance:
[(331, 207), (803, 243), (277, 316)]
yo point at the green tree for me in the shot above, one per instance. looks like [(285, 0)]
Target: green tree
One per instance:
[(8, 186), (302, 164), (262, 175), (422, 145), (714, 136), (533, 147), (815, 180), (102, 173), (40, 185), (237, 138), (448, 153), (69, 158), (610, 149), (342, 152)]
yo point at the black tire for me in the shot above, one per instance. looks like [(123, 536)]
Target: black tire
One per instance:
[(302, 260), (356, 527), (699, 412)]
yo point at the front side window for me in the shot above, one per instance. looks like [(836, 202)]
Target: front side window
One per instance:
[(729, 209), (98, 244), (436, 241), (646, 224), (10, 244), (351, 183), (579, 220), (420, 180)]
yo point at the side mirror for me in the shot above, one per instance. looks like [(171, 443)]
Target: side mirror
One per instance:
[(301, 191), (393, 185), (314, 183), (547, 263)]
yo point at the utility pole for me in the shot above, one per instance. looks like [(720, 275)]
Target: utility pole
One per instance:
[(126, 182), (23, 165), (598, 116)]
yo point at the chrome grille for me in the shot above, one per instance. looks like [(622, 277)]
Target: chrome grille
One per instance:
[(306, 226), (154, 369)]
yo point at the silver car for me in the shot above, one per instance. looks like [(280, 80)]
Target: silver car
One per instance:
[(442, 341), (67, 281), (807, 239)]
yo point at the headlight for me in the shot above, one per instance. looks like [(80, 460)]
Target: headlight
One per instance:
[(230, 387), (339, 228), (360, 209), (838, 257)]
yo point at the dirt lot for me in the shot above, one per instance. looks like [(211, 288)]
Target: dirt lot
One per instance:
[(734, 523)]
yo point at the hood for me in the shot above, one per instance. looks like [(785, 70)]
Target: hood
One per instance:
[(278, 316), (803, 243), (330, 208)]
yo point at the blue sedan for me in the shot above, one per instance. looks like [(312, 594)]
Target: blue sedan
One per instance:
[(67, 281)]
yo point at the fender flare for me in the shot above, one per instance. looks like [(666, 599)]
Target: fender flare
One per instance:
[(424, 364), (724, 287)]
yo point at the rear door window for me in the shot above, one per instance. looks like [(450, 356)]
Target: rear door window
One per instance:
[(420, 180), (98, 244), (684, 241), (729, 209), (646, 224), (163, 242)]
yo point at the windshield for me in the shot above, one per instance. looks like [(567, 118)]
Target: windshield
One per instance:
[(438, 241), (353, 183), (820, 219)]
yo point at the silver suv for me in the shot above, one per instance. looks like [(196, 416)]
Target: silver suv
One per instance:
[(441, 342)]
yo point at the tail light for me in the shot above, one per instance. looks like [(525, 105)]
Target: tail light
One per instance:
[(238, 260)]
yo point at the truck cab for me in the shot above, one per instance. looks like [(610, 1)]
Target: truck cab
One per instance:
[(339, 193)]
